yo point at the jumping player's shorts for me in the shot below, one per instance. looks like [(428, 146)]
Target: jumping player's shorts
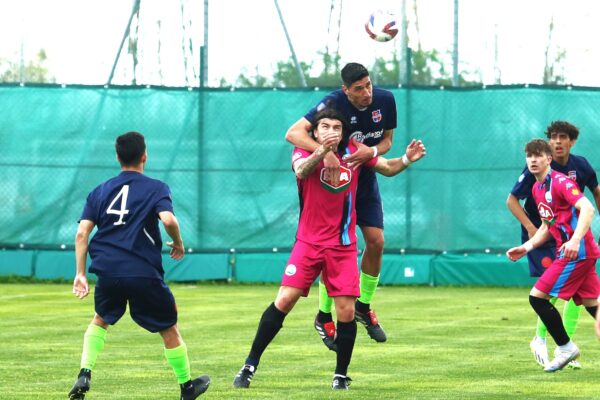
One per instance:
[(369, 209), (337, 265), (567, 279), (540, 259), (151, 303)]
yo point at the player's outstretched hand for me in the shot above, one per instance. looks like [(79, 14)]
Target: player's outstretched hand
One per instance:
[(362, 154), (80, 286), (515, 253), (415, 150), (332, 168), (177, 251)]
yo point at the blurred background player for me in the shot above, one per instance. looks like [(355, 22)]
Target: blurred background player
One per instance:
[(323, 244), (566, 215), (126, 257), (562, 137), (371, 113)]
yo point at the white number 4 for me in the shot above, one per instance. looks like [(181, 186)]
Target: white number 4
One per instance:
[(122, 211)]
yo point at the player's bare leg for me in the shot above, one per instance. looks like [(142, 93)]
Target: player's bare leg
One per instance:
[(370, 266)]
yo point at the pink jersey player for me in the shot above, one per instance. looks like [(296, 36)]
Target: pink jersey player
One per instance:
[(555, 198)]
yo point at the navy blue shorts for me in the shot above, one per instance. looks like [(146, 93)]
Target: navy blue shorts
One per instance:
[(369, 209), (540, 259), (151, 303)]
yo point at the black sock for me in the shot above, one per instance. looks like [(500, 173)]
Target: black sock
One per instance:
[(346, 335), (592, 310), (324, 317), (270, 323), (362, 307), (551, 318)]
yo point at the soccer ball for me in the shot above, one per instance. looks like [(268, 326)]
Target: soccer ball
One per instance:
[(381, 26)]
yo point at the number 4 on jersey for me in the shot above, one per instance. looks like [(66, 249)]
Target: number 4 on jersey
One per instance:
[(122, 211)]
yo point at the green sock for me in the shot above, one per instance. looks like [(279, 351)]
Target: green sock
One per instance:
[(93, 343), (571, 317), (368, 284), (541, 331), (325, 302), (179, 361)]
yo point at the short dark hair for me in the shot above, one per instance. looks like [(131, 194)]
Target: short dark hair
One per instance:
[(562, 127), (332, 113), (538, 147), (353, 72), (130, 148)]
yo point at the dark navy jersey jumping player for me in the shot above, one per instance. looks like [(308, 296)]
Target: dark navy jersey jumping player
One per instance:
[(125, 254), (371, 114)]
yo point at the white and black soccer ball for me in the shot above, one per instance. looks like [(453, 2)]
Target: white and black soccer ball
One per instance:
[(382, 26)]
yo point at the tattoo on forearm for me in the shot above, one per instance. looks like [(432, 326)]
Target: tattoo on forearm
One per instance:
[(309, 164)]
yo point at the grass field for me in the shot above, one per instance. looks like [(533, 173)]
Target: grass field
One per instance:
[(443, 343)]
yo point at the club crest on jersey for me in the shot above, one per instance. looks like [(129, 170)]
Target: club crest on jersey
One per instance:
[(345, 179), (572, 175), (376, 115), (546, 213)]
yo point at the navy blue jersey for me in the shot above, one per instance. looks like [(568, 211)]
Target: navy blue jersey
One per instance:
[(128, 242), (366, 126), (577, 168)]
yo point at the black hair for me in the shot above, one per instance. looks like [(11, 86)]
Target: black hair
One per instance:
[(562, 127), (538, 147), (332, 113), (353, 72), (130, 148)]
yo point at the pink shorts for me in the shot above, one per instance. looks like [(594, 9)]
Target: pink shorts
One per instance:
[(568, 279), (337, 265)]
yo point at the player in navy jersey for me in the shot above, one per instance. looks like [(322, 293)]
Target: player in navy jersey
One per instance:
[(126, 257), (371, 113), (566, 217), (562, 136)]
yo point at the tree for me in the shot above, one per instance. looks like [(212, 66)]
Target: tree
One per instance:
[(33, 71), (551, 75)]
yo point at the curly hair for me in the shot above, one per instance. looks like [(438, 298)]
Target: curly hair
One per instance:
[(562, 127)]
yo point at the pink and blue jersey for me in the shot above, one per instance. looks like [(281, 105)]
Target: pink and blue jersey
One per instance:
[(555, 198), (327, 211)]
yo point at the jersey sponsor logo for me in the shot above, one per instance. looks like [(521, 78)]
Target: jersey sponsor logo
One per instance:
[(572, 175), (376, 115), (345, 179), (361, 137), (546, 213), (290, 270)]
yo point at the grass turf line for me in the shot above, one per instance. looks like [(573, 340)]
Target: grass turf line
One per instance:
[(443, 343)]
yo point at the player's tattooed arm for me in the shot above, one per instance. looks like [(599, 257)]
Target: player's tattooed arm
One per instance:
[(305, 166)]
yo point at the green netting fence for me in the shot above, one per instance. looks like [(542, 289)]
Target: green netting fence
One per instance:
[(224, 156)]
